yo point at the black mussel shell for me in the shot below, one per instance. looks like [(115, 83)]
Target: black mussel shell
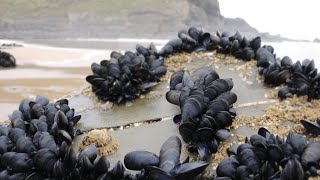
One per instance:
[(311, 127), (138, 160)]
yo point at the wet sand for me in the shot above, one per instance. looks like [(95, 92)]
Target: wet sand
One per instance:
[(43, 70)]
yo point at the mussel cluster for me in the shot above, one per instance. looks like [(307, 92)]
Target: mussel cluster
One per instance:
[(36, 145), (301, 78), (166, 166), (7, 60), (266, 156), (35, 134), (205, 102), (125, 76), (197, 40)]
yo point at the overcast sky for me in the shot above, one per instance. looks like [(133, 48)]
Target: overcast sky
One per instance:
[(291, 18)]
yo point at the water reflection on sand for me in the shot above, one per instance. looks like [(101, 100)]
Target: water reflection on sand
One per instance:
[(53, 72)]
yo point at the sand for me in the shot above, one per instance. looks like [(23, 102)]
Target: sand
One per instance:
[(43, 70)]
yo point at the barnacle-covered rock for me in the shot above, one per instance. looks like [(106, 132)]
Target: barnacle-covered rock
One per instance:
[(105, 143)]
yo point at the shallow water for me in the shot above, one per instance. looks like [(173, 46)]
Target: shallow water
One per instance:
[(43, 70), (16, 84)]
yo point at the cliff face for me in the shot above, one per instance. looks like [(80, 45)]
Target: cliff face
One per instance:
[(31, 19)]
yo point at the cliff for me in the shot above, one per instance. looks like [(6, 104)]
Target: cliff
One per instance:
[(42, 19)]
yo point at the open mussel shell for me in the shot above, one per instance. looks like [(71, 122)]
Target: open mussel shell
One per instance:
[(282, 76), (189, 170), (195, 33), (311, 127), (205, 39)]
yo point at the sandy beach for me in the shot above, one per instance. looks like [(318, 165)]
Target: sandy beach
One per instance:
[(44, 70)]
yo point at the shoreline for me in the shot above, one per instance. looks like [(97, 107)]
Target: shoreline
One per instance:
[(94, 50)]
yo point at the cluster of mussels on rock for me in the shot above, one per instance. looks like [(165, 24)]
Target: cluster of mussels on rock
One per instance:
[(36, 145), (126, 76), (266, 156), (30, 144), (7, 60), (205, 102), (301, 78)]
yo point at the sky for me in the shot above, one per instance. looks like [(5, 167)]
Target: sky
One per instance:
[(294, 19)]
